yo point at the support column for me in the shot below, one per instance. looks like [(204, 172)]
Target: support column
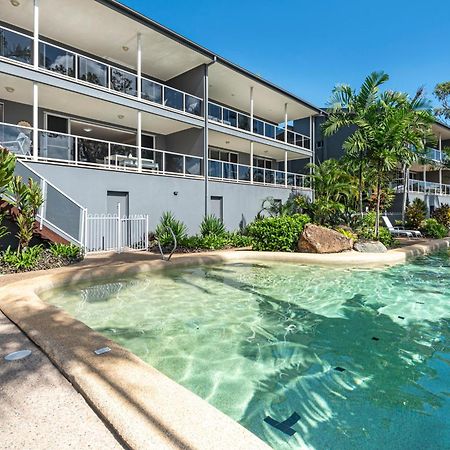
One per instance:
[(251, 109), (285, 122), (35, 120), (139, 65), (312, 144), (36, 34), (440, 180), (206, 138), (251, 162), (139, 141), (285, 168)]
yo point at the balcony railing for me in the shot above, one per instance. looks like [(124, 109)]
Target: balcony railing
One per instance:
[(227, 171), (82, 151), (435, 155), (19, 47), (235, 119), (423, 187)]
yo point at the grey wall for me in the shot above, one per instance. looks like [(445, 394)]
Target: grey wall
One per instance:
[(15, 112), (190, 81), (151, 194), (188, 141)]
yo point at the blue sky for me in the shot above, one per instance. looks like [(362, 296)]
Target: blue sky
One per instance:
[(308, 46)]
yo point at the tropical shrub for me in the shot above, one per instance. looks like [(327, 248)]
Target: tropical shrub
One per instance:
[(7, 165), (442, 215), (239, 240), (27, 198), (3, 230), (162, 232), (415, 214), (24, 259), (216, 242), (277, 233), (68, 251), (347, 233), (384, 236), (212, 225), (433, 229)]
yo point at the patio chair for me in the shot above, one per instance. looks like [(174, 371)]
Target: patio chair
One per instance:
[(400, 231)]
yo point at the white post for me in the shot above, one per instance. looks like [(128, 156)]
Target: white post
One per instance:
[(251, 109), (440, 166), (251, 162), (119, 229), (36, 34), (35, 120), (285, 168), (139, 65), (146, 232), (285, 122), (139, 141), (312, 146)]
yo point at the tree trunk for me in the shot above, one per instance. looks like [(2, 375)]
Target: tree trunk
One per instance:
[(405, 192), (360, 193), (377, 220)]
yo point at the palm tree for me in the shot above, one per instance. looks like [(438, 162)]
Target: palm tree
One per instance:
[(349, 109)]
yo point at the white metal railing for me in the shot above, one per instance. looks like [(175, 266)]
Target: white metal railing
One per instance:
[(235, 119), (241, 173), (115, 232), (59, 212), (420, 186), (67, 63), (83, 151)]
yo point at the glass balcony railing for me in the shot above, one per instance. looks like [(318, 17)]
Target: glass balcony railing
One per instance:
[(421, 187), (19, 47), (435, 155), (83, 151), (227, 171), (235, 119)]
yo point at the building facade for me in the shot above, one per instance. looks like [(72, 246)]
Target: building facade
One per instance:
[(428, 180), (110, 107)]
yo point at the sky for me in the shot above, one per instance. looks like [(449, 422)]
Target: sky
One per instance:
[(309, 46)]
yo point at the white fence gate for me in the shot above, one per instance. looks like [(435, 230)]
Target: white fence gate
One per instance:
[(113, 232)]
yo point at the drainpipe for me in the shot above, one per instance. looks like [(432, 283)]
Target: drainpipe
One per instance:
[(205, 133)]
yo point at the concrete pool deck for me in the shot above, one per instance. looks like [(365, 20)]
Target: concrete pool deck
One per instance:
[(143, 407)]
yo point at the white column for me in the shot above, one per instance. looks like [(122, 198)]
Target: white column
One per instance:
[(440, 167), (251, 162), (36, 34), (312, 140), (139, 141), (285, 168), (35, 120), (285, 122), (139, 65), (251, 109)]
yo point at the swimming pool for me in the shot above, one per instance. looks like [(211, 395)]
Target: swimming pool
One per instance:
[(362, 357)]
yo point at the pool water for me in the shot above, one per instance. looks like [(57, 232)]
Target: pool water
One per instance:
[(362, 356)]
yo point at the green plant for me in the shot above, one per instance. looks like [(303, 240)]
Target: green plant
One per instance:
[(348, 233), (239, 240), (384, 236), (27, 198), (69, 251), (433, 229), (7, 165), (24, 259), (442, 215), (277, 233), (3, 230), (162, 232), (212, 225), (415, 214)]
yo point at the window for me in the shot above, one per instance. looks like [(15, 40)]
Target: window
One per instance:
[(223, 155), (2, 112), (263, 163), (319, 145)]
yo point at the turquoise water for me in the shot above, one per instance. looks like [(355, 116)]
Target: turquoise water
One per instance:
[(258, 340)]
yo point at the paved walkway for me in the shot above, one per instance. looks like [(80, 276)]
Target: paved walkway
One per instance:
[(39, 408)]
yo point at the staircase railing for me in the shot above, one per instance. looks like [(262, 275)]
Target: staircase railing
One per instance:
[(59, 212)]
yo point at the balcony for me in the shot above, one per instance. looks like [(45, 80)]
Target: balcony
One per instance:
[(421, 187), (241, 121), (66, 63), (435, 155), (61, 148)]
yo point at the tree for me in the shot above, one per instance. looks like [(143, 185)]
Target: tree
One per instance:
[(352, 109), (442, 93)]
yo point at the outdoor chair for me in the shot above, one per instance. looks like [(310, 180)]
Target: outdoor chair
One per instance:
[(400, 231)]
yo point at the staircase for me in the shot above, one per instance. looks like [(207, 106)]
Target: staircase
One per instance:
[(60, 218)]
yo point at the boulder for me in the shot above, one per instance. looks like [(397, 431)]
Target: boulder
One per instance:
[(316, 239), (369, 247)]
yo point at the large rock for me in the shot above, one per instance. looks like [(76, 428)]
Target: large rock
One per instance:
[(316, 239), (369, 247)]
